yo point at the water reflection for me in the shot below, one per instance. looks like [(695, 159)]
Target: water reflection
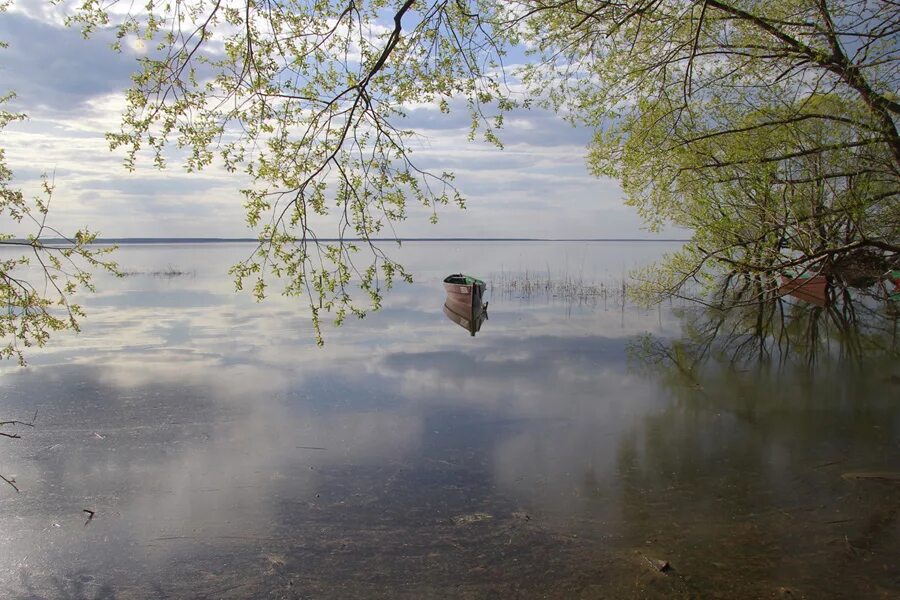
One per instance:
[(813, 289), (467, 316), (751, 329), (774, 403), (226, 456)]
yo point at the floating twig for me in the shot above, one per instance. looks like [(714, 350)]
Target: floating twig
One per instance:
[(878, 476), (16, 422), (11, 482)]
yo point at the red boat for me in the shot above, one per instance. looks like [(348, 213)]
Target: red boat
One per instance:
[(810, 284), (464, 304), (817, 299), (464, 288)]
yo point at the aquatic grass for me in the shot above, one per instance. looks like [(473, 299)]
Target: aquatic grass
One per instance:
[(530, 285), (168, 272)]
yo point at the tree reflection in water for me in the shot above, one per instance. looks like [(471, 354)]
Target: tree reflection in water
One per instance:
[(751, 328), (749, 473)]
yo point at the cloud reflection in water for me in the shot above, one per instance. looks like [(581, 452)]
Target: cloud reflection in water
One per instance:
[(221, 449)]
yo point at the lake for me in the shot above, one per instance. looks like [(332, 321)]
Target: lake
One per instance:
[(573, 448)]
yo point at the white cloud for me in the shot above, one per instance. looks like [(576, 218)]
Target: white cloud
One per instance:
[(538, 186)]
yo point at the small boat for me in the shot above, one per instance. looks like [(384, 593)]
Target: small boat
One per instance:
[(464, 288), (817, 299), (464, 304), (808, 283), (808, 287)]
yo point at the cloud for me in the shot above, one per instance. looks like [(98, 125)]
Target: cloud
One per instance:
[(206, 404), (72, 89), (55, 68)]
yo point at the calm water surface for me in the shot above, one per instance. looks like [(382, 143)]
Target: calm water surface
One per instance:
[(563, 452)]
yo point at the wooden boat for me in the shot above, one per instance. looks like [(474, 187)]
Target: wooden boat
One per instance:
[(807, 287), (464, 304), (817, 299), (464, 288), (806, 282)]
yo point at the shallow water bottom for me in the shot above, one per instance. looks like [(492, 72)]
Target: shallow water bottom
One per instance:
[(557, 454)]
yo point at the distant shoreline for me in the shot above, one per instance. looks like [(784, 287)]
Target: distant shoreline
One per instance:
[(160, 240), (172, 241)]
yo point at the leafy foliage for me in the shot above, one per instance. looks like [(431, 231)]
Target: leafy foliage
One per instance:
[(766, 128), (37, 286), (304, 97)]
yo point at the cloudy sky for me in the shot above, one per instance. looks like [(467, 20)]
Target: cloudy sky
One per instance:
[(71, 88)]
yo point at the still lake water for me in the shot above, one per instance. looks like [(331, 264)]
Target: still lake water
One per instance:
[(559, 453)]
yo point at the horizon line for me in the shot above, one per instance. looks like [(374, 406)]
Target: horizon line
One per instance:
[(189, 240), (220, 240)]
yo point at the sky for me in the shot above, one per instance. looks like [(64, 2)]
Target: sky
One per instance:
[(72, 90)]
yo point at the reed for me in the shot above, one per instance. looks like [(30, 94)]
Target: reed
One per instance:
[(536, 285), (168, 272)]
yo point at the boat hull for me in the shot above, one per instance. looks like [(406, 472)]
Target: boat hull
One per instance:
[(816, 285), (460, 290), (464, 303), (463, 293), (820, 300)]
